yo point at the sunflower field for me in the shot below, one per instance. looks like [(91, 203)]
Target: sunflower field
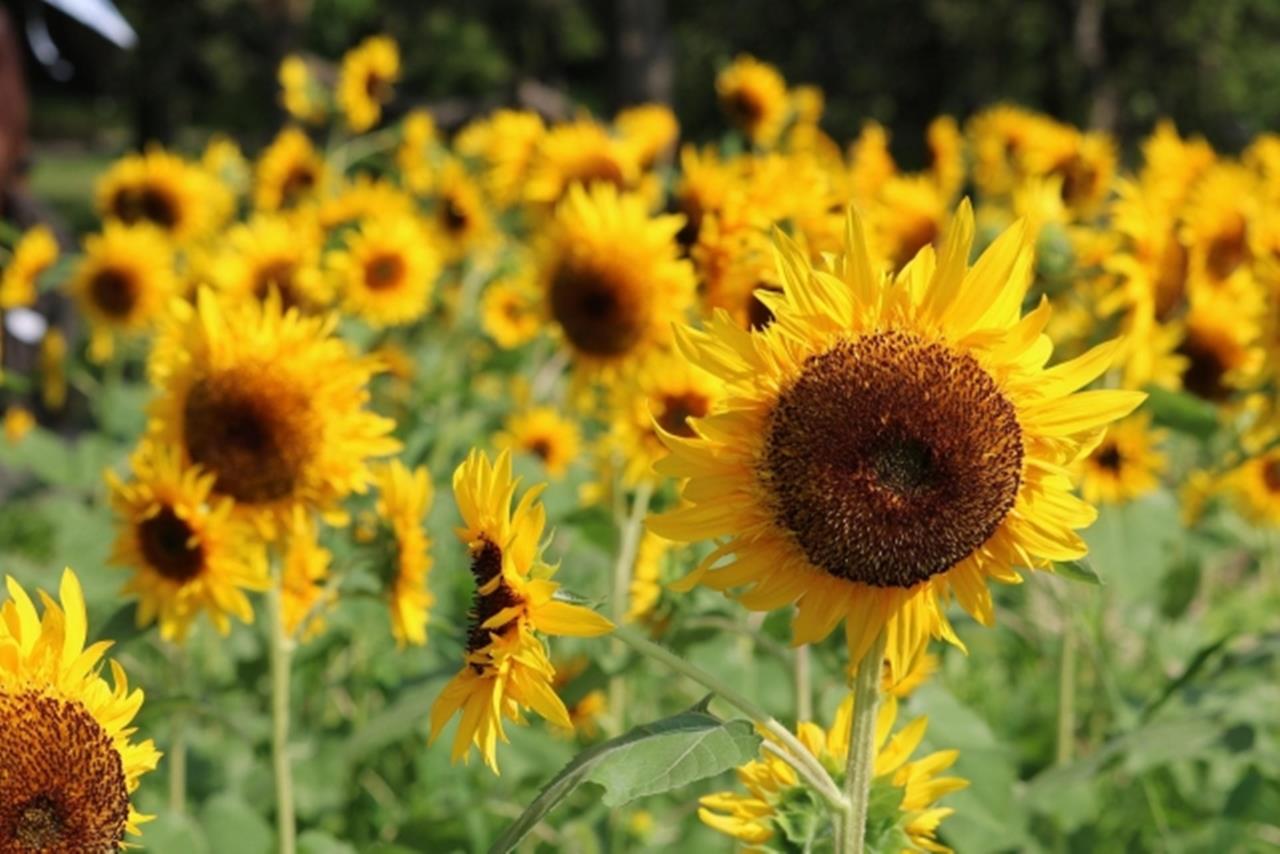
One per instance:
[(561, 486)]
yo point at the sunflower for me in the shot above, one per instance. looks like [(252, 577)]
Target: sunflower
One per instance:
[(506, 143), (461, 218), (68, 762), (580, 153), (663, 397), (418, 137), (650, 129), (300, 93), (997, 137), (754, 97), (1219, 349), (364, 197), (1085, 162), (911, 214), (903, 814), (304, 572), (404, 497), (506, 664), (386, 271), (268, 402), (369, 70), (187, 552), (1171, 165), (181, 199), (546, 434), (886, 444), (18, 422), (1125, 465), (289, 171), (510, 310), (33, 255), (705, 186), (945, 145), (123, 282), (870, 163), (646, 576), (272, 253), (1217, 218), (1255, 486), (612, 277)]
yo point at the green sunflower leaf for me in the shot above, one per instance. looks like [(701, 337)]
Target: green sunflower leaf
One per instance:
[(1183, 412), (1078, 570), (650, 759)]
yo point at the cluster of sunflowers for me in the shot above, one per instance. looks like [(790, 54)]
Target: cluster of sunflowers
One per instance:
[(825, 375)]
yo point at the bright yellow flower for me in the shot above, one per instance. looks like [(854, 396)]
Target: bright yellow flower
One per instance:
[(181, 199), (404, 497), (33, 255), (413, 155), (305, 596), (18, 422), (68, 762), (369, 70), (123, 282), (299, 92), (506, 143), (386, 271), (1255, 486), (461, 219), (546, 434), (754, 97), (511, 310), (1125, 465), (581, 153), (289, 172), (272, 253), (650, 129)]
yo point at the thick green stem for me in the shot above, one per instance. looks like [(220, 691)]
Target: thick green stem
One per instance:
[(861, 762), (795, 753), (281, 653)]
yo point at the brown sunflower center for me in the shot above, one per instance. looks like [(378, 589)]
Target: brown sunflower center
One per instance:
[(486, 565), (146, 204), (298, 183), (1228, 250), (602, 312), (599, 169), (279, 274), (1206, 371), (1079, 179), (114, 291), (62, 783), (745, 107), (454, 216), (1271, 474), (383, 272), (677, 409), (918, 233), (166, 544), (541, 448), (691, 207), (1171, 278), (1109, 457), (891, 459), (252, 429)]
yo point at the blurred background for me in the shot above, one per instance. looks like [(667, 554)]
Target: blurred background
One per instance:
[(205, 64)]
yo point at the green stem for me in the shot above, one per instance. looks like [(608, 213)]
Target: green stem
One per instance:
[(177, 758), (795, 753), (1067, 692), (861, 762), (281, 652), (804, 680), (628, 545)]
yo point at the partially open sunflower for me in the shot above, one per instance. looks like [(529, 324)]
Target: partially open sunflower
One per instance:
[(888, 443)]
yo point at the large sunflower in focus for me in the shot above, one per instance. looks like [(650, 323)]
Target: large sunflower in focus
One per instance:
[(123, 282), (612, 277), (886, 444), (68, 762), (187, 552), (267, 401)]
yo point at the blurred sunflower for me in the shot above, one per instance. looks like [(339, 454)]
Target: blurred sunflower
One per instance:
[(506, 667), (646, 576), (1217, 218), (34, 254), (304, 571), (272, 253), (300, 93), (364, 197), (911, 214), (754, 97), (870, 163), (158, 187), (123, 282), (18, 422), (1255, 485), (404, 497), (612, 280), (705, 185), (68, 762), (413, 156), (268, 402), (581, 153), (461, 218), (288, 172), (369, 70), (1125, 465), (1219, 350), (887, 444), (511, 309), (946, 152), (650, 129), (187, 552), (903, 815), (506, 143), (544, 433), (386, 271)]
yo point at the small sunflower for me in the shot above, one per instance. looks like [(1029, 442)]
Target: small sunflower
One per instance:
[(68, 762), (581, 153), (1125, 465), (268, 402), (272, 253), (187, 552), (1255, 486), (361, 198), (705, 186), (646, 576), (123, 282), (1220, 350), (32, 257), (506, 664), (650, 129), (288, 172), (177, 197), (911, 214), (413, 156), (461, 217), (511, 310), (300, 93), (1217, 217), (754, 97), (18, 422), (505, 143), (369, 70), (903, 791), (887, 444), (386, 271), (404, 497), (546, 434), (305, 596), (870, 163), (612, 278), (945, 145)]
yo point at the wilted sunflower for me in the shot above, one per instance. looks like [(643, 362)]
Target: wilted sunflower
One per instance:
[(369, 70), (158, 187), (1125, 465), (404, 497), (34, 254), (187, 552), (299, 92), (67, 760), (902, 815), (386, 271), (123, 282), (267, 401), (581, 153), (546, 434), (288, 172), (273, 253), (506, 666), (511, 309), (612, 278), (754, 97), (888, 443)]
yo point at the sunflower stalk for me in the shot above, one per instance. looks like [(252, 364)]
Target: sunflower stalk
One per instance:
[(806, 765), (281, 653), (860, 763), (631, 527), (177, 758)]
